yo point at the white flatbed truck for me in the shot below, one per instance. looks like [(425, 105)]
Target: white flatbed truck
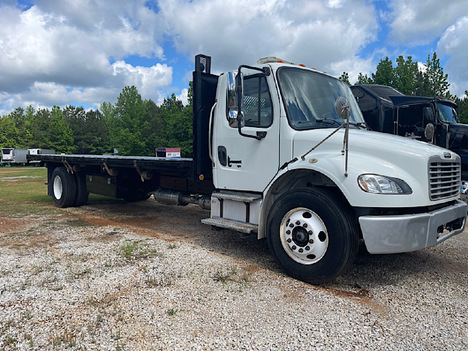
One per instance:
[(282, 151)]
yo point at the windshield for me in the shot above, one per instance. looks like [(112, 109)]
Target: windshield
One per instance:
[(447, 113), (309, 99)]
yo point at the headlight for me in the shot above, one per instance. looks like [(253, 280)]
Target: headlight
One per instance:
[(377, 184)]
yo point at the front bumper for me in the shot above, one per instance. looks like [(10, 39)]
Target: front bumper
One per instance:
[(405, 233)]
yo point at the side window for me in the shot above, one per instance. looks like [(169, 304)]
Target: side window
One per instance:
[(258, 111), (412, 119)]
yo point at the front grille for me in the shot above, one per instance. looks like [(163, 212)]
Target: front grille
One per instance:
[(444, 178)]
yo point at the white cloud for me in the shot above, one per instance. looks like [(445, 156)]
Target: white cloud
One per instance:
[(454, 44), (419, 23), (77, 51), (146, 79), (241, 31), (56, 51), (183, 96)]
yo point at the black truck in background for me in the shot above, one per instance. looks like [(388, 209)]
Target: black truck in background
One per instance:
[(432, 120)]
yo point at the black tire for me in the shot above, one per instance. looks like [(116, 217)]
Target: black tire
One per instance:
[(63, 187), (81, 190), (312, 235)]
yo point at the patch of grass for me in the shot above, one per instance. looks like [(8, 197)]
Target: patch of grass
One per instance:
[(136, 250), (23, 190), (241, 281), (172, 312), (67, 339), (225, 276), (10, 341), (154, 282), (29, 338)]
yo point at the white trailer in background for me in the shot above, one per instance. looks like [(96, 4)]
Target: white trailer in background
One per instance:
[(40, 151), (14, 156)]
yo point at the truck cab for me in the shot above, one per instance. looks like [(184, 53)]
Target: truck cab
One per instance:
[(293, 161), (432, 120)]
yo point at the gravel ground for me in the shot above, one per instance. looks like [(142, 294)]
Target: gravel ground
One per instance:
[(111, 276)]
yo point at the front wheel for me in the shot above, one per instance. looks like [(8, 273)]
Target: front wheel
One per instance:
[(312, 235)]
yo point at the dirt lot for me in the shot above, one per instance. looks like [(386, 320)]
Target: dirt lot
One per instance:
[(144, 276)]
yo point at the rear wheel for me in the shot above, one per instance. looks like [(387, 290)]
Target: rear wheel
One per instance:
[(81, 190), (312, 235), (63, 187)]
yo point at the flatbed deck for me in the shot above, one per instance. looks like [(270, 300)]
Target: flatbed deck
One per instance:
[(181, 167)]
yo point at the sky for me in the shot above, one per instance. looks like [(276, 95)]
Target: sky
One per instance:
[(84, 52)]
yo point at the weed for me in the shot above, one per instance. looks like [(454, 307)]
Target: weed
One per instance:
[(28, 337), (153, 282), (172, 312), (10, 323), (135, 250), (27, 315), (172, 246), (225, 276), (116, 336), (10, 340), (67, 338)]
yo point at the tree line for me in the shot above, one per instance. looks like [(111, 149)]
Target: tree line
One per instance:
[(134, 126), (131, 126), (408, 78)]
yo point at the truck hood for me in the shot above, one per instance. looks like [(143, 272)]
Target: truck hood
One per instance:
[(371, 153), (385, 146)]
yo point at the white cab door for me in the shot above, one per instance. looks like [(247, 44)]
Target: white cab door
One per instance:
[(243, 163)]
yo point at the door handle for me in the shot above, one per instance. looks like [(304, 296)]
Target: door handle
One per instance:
[(237, 162)]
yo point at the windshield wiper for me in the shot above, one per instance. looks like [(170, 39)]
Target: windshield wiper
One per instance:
[(328, 121), (358, 124)]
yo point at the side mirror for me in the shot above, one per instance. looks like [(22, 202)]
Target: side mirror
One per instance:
[(343, 108), (429, 131), (235, 99)]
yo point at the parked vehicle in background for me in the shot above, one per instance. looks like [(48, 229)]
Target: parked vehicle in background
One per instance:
[(14, 156), (271, 157), (39, 152), (429, 119)]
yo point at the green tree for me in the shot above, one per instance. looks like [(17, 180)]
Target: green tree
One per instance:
[(60, 134), (90, 133), (384, 73), (345, 78), (127, 122), (405, 75), (463, 108), (39, 129), (97, 133), (154, 133), (421, 85), (178, 122), (438, 80), (29, 120), (364, 79), (9, 135)]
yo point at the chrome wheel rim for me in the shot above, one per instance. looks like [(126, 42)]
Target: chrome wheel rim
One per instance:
[(304, 236)]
